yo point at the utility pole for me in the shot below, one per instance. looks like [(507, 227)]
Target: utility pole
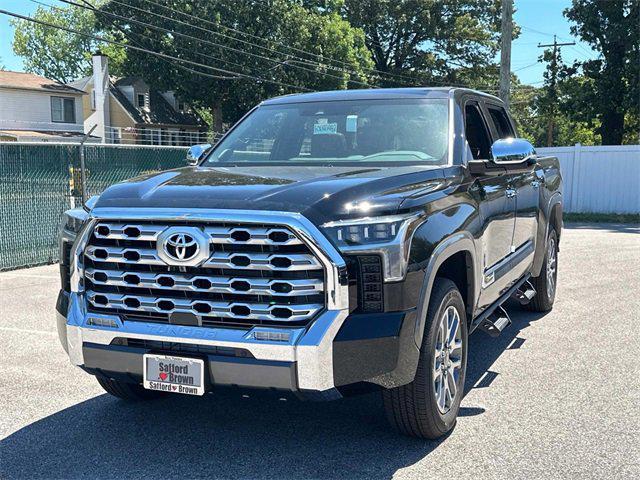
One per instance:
[(83, 172), (505, 50), (553, 81)]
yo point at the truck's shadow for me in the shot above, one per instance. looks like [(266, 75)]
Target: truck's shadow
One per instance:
[(226, 435)]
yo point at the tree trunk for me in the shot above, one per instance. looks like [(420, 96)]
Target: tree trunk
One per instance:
[(218, 123), (612, 128)]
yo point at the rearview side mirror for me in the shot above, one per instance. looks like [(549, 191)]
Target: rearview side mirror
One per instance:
[(196, 152), (511, 150), (508, 154)]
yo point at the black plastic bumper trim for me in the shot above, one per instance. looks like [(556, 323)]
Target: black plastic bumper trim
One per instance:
[(62, 303), (369, 326), (125, 363)]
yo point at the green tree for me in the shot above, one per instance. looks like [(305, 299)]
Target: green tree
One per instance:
[(420, 42), (531, 111), (55, 53), (281, 42), (610, 91)]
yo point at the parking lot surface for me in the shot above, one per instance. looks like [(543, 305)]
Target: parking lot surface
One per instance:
[(555, 396)]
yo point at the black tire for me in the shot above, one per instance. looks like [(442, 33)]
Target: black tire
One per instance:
[(127, 391), (546, 294), (413, 409)]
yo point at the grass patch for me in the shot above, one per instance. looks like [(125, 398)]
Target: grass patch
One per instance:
[(602, 217)]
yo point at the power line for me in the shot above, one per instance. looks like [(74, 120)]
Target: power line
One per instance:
[(240, 32), (256, 37), (181, 67), (129, 34), (553, 94), (173, 32), (181, 60), (525, 67), (150, 52), (252, 44), (285, 62)]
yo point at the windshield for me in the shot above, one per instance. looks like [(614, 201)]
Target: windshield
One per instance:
[(325, 133)]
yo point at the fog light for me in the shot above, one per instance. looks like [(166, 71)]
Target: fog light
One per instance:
[(102, 322), (272, 336)]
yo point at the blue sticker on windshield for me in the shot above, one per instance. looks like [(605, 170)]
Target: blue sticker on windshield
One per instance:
[(325, 128)]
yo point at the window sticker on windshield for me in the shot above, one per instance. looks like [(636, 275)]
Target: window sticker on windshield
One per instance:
[(325, 128), (352, 124)]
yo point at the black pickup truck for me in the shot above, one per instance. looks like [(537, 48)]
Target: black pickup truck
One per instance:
[(330, 243)]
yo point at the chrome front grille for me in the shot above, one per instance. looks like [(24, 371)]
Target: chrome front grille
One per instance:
[(253, 274)]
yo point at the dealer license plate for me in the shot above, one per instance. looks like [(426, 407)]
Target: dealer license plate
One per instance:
[(174, 374)]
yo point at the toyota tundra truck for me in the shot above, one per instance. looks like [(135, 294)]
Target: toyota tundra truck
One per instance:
[(330, 243)]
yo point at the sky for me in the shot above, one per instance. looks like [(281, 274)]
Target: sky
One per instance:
[(539, 21)]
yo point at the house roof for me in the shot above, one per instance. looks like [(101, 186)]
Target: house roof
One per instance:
[(81, 83), (160, 112), (125, 81), (29, 81)]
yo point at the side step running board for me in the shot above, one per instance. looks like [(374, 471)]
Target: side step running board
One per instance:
[(525, 293), (496, 322)]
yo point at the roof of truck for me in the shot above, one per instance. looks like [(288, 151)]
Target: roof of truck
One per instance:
[(372, 94)]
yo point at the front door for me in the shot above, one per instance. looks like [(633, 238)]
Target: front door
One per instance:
[(496, 200), (526, 183)]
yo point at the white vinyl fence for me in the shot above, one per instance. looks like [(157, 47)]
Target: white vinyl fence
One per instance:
[(601, 179)]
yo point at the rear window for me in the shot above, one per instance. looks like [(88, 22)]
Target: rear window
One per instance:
[(501, 122)]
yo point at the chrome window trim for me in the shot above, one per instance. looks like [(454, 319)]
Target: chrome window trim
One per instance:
[(452, 128)]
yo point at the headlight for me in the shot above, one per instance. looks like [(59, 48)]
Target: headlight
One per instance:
[(387, 236), (70, 226), (366, 231), (73, 220)]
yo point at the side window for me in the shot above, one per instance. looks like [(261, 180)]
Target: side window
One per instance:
[(501, 122), (63, 110), (477, 135)]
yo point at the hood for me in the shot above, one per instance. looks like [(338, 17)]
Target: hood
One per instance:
[(319, 193)]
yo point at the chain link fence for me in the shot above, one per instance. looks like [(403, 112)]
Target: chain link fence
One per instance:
[(38, 182)]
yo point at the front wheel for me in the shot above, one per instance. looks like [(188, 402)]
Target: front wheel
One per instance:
[(546, 283), (428, 406)]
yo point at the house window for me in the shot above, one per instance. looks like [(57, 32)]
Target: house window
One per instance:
[(93, 99), (140, 100), (181, 106), (63, 110)]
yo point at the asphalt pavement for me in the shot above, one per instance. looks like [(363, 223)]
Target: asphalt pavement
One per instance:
[(555, 396)]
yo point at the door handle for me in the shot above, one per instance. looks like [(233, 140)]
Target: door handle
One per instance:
[(510, 192)]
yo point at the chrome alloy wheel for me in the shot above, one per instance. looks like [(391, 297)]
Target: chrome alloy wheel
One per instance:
[(552, 266), (447, 361)]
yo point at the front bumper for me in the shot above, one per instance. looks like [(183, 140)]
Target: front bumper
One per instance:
[(318, 363), (305, 358), (318, 358)]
